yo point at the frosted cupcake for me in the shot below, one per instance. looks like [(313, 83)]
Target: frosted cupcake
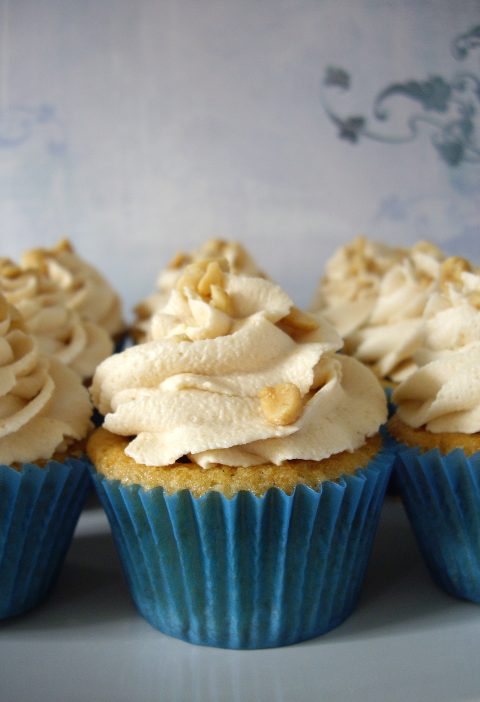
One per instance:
[(45, 416), (87, 291), (60, 332), (438, 428), (239, 262), (375, 296), (240, 465)]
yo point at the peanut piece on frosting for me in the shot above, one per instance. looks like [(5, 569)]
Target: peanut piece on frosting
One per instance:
[(35, 259), (9, 269), (213, 276), (300, 320), (207, 280), (281, 404), (190, 278), (63, 245), (221, 300), (452, 268), (179, 261)]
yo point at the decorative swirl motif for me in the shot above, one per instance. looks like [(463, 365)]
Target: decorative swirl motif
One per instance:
[(466, 42), (451, 108)]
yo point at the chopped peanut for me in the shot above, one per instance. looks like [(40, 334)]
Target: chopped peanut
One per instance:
[(281, 404), (35, 259), (221, 300), (452, 268), (190, 278), (179, 260), (300, 320), (63, 245), (9, 269), (212, 276)]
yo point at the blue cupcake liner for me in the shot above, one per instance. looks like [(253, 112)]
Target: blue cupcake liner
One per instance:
[(124, 342), (392, 407), (39, 508), (441, 494), (247, 572)]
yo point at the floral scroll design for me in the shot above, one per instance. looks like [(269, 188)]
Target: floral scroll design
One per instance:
[(450, 109)]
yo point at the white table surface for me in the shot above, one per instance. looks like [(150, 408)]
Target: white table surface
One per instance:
[(407, 640)]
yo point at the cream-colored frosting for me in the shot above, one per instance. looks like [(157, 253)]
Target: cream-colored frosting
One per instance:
[(444, 393), (59, 331), (395, 328), (200, 397), (378, 303), (43, 405), (239, 261), (348, 291), (86, 290)]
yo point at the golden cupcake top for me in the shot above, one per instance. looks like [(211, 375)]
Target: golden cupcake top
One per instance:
[(234, 374), (59, 331), (43, 404), (86, 289)]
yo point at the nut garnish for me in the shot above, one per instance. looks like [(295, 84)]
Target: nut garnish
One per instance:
[(207, 280), (221, 300), (179, 260), (212, 276), (452, 268), (63, 245), (300, 320), (297, 323), (281, 404), (9, 269), (190, 278), (35, 258)]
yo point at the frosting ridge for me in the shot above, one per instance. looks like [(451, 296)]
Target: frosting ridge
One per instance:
[(196, 388), (43, 405), (59, 331), (86, 290)]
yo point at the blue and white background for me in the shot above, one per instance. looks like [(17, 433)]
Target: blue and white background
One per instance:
[(141, 128)]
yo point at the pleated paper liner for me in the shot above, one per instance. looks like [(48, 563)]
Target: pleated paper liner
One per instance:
[(247, 572), (39, 508), (441, 494), (392, 407)]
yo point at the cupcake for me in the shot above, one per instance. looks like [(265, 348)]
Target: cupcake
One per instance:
[(45, 416), (59, 331), (375, 296), (240, 465), (87, 291), (239, 262), (437, 427)]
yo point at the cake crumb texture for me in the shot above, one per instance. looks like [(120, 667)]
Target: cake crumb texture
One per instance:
[(107, 451), (427, 440)]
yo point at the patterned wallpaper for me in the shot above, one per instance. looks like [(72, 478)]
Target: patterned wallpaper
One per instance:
[(141, 128)]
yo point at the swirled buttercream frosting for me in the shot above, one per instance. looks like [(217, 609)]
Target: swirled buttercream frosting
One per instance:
[(380, 309), (239, 261), (60, 332), (43, 405), (236, 375), (86, 290), (444, 393)]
